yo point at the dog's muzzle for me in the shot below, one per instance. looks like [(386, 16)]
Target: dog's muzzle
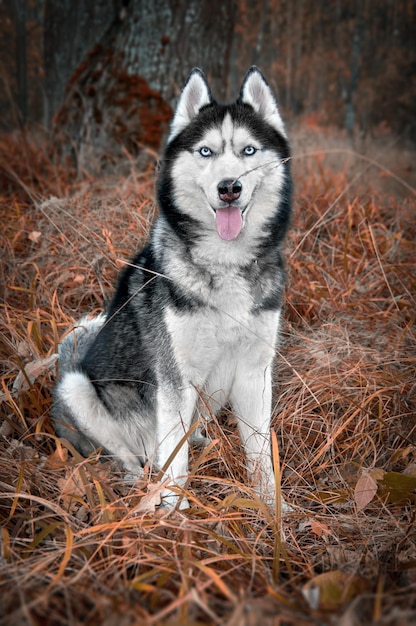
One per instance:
[(229, 190)]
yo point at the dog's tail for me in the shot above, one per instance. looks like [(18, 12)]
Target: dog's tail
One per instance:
[(74, 346)]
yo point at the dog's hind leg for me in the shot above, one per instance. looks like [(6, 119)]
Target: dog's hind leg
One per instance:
[(81, 417)]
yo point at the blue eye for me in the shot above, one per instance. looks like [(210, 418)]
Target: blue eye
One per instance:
[(249, 150), (205, 151)]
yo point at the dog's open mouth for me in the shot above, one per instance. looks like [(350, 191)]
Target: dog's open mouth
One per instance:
[(229, 222)]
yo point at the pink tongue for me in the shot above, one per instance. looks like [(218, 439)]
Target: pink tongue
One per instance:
[(229, 222)]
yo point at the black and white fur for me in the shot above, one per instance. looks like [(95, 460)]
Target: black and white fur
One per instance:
[(196, 309)]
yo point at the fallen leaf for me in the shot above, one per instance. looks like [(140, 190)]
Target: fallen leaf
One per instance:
[(5, 429), (152, 499), (331, 590), (71, 486), (34, 236), (57, 459), (320, 529), (365, 490), (377, 473), (402, 453), (32, 371), (398, 487), (331, 497)]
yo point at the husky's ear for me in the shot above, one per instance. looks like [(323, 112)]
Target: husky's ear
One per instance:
[(195, 94), (256, 92)]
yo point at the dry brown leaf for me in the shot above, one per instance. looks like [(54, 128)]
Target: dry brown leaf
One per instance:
[(152, 499), (320, 529), (398, 487), (71, 486), (57, 459), (32, 371), (331, 590), (34, 235), (365, 490), (5, 429), (377, 473)]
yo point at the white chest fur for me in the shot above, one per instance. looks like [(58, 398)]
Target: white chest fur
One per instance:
[(210, 341)]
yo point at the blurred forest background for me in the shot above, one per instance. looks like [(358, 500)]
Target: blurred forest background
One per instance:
[(104, 74)]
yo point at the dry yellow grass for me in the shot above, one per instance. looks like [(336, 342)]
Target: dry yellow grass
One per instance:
[(80, 546)]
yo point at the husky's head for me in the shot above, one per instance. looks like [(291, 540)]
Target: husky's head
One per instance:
[(225, 178)]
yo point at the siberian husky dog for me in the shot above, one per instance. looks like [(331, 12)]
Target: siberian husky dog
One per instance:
[(197, 310)]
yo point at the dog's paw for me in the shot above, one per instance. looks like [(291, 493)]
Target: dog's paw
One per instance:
[(285, 507), (198, 439), (270, 499), (172, 500), (130, 478)]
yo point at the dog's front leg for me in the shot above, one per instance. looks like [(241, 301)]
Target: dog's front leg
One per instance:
[(174, 417), (251, 397)]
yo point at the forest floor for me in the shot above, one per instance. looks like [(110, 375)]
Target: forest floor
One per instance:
[(78, 545)]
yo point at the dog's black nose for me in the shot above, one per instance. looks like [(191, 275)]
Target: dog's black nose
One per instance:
[(229, 189)]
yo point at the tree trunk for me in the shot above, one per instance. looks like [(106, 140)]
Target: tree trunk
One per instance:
[(71, 29), (354, 73), (21, 60), (121, 95)]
